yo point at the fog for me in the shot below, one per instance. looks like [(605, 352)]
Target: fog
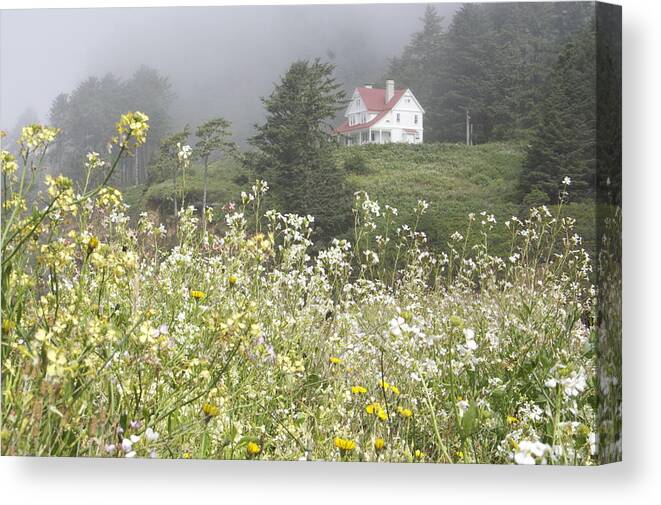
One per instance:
[(220, 60)]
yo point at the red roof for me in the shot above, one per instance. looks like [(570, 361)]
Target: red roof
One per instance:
[(375, 101)]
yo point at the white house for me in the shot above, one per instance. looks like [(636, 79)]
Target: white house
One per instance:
[(380, 116)]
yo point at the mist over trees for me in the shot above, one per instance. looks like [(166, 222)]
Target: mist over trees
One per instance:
[(87, 116), (492, 60)]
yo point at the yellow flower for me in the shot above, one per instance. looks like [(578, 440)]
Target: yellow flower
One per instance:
[(377, 410), (198, 295), (344, 444), (384, 385), (232, 280), (8, 162), (187, 455), (379, 444), (92, 244), (133, 126), (358, 390), (419, 454), (512, 420), (394, 389), (253, 449), (372, 407), (7, 326), (210, 410), (404, 412), (335, 360)]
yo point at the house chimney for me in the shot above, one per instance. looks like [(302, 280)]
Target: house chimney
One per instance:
[(390, 89)]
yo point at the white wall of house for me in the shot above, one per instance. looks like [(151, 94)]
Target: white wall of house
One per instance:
[(403, 123)]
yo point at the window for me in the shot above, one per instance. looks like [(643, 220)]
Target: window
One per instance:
[(373, 137), (415, 119), (398, 117)]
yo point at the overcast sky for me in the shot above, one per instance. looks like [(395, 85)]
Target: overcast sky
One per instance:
[(220, 60)]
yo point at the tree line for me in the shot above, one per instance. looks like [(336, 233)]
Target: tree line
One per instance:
[(524, 70), (521, 70)]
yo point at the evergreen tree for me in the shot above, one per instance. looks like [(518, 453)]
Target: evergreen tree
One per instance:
[(493, 61), (294, 147), (564, 142), (419, 68)]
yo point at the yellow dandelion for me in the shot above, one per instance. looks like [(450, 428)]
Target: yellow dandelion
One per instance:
[(394, 389), (404, 412), (344, 445), (198, 295), (377, 410), (253, 449), (210, 410), (512, 420), (335, 360), (232, 279), (379, 444), (187, 455), (358, 390), (372, 408), (419, 454), (92, 244)]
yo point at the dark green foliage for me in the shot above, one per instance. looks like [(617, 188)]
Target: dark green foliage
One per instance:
[(294, 147), (609, 103), (564, 142), (355, 163)]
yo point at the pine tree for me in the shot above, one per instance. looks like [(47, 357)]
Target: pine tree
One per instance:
[(294, 147), (419, 68), (564, 142)]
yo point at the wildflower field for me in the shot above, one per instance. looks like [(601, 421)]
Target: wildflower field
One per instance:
[(243, 339)]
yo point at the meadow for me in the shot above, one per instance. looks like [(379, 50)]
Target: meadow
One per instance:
[(122, 337)]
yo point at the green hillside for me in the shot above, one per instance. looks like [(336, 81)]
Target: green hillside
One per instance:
[(455, 179)]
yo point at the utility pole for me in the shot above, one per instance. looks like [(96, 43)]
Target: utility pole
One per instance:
[(468, 127)]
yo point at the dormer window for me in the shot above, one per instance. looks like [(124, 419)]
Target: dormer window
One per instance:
[(398, 117), (415, 119)]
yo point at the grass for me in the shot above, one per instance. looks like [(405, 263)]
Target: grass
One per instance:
[(455, 179)]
